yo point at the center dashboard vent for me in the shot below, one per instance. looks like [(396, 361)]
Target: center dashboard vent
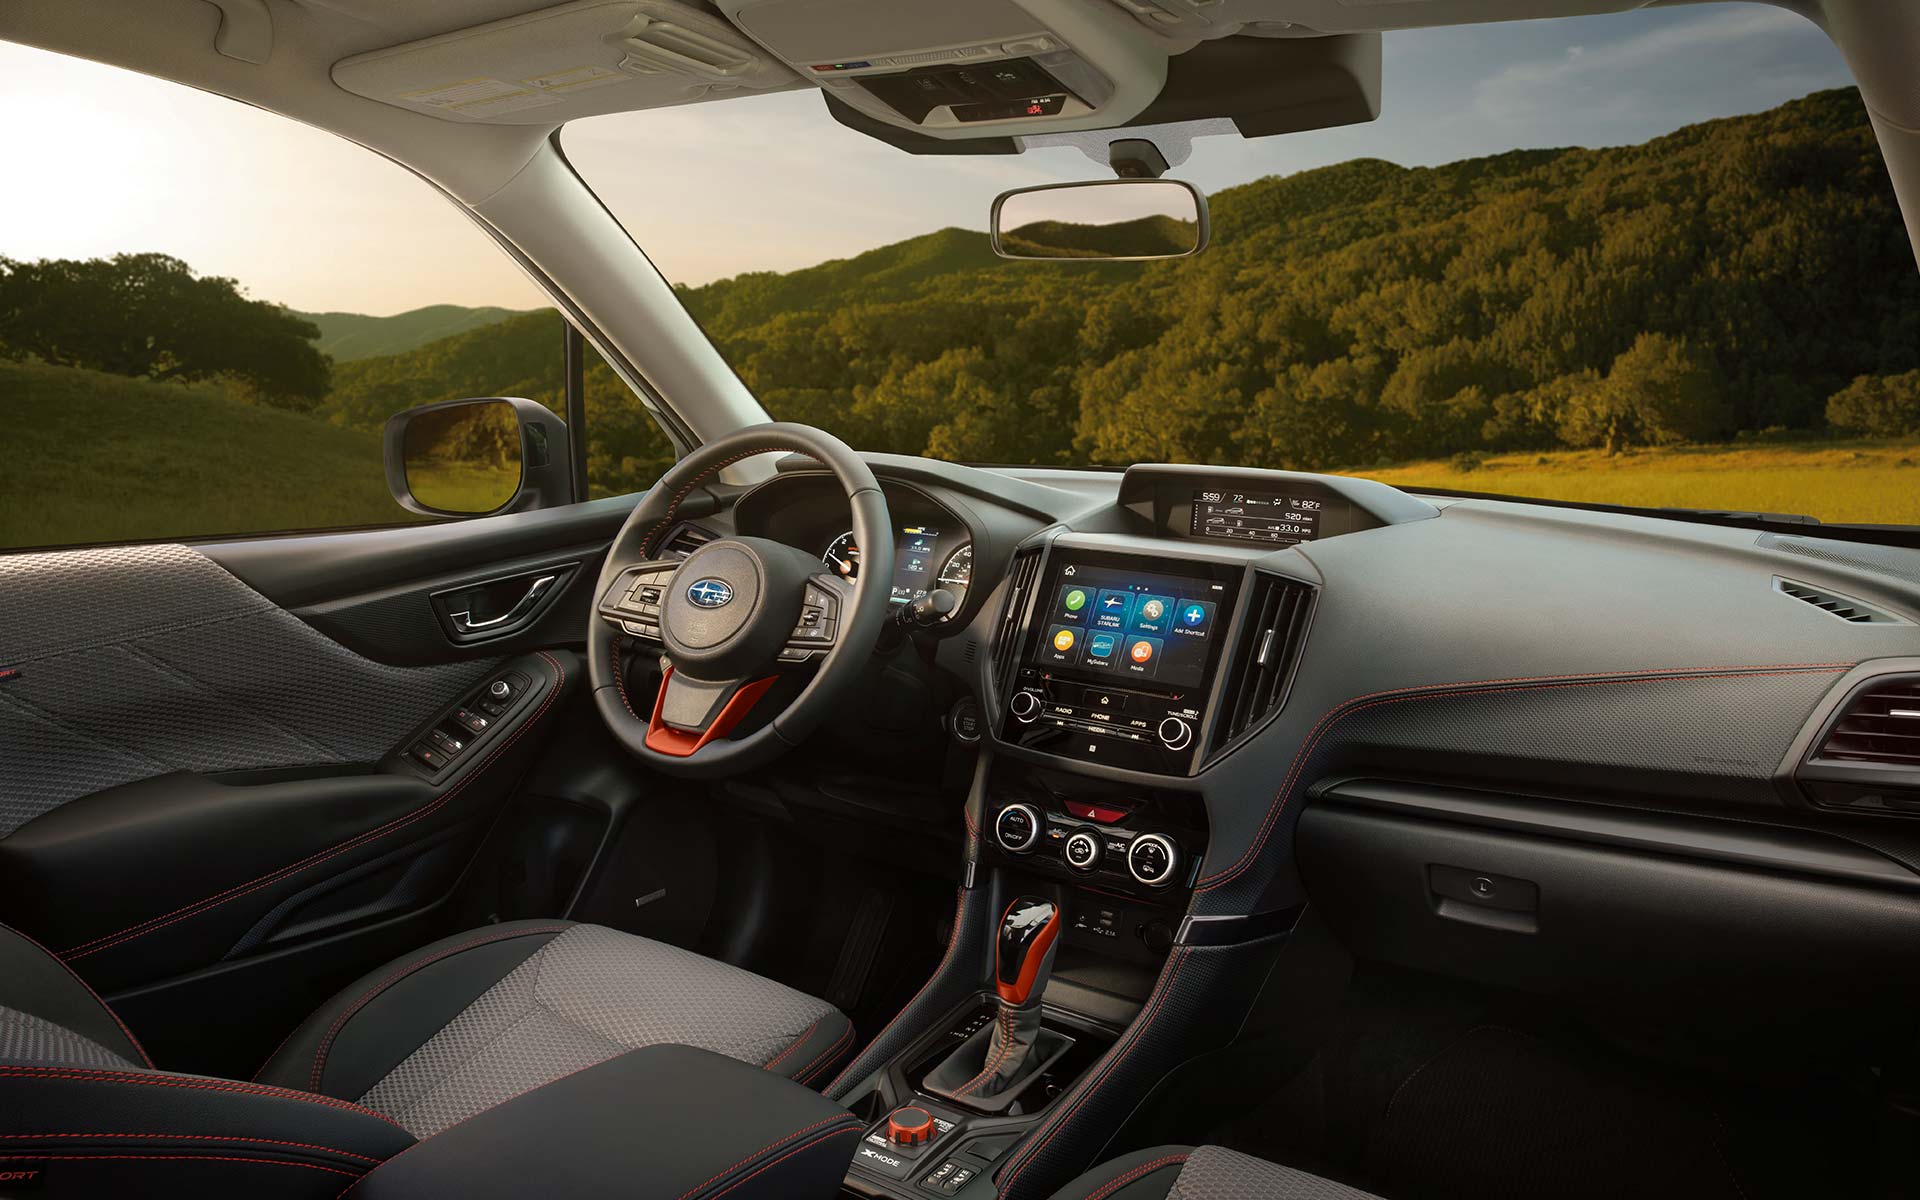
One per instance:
[(1020, 575), (1278, 609), (1880, 724)]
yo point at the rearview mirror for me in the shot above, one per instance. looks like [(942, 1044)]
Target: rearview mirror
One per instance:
[(464, 458), (1110, 220)]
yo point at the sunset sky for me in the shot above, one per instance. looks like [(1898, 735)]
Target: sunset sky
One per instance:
[(120, 162)]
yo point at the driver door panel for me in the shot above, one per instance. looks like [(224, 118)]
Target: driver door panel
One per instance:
[(209, 804)]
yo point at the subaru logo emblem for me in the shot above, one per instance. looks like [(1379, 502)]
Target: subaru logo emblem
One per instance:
[(710, 593)]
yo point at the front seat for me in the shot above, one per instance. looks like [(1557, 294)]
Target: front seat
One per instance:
[(455, 1029), (1206, 1173)]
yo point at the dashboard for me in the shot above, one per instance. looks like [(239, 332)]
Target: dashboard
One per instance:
[(1434, 717)]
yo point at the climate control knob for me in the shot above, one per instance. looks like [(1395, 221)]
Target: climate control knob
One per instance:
[(1175, 734), (1025, 705), (1018, 828), (1153, 859), (1082, 850)]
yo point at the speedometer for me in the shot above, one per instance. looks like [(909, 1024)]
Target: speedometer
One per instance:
[(957, 572), (843, 556)]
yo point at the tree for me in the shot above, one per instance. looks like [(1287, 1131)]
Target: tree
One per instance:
[(1659, 392), (149, 315), (1878, 405)]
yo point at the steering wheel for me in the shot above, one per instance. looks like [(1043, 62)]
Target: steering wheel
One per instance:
[(733, 614)]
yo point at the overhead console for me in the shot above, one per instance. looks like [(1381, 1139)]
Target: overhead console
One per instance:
[(948, 70)]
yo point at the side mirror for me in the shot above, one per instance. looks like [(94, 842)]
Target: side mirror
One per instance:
[(465, 458), (1103, 220)]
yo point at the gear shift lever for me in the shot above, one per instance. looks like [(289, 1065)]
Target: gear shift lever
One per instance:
[(1022, 964)]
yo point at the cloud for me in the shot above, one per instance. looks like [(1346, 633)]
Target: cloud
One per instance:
[(1600, 74)]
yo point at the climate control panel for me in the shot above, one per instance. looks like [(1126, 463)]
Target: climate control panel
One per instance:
[(1082, 845)]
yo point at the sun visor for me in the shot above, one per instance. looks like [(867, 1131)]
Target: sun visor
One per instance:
[(574, 60)]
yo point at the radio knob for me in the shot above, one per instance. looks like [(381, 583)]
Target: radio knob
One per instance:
[(1017, 828), (1082, 851), (1153, 859), (1175, 734), (1025, 705)]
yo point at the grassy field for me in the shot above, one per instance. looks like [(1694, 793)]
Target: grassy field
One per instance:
[(462, 487), (1858, 482), (101, 458)]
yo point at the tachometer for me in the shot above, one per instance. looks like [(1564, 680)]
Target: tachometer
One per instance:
[(844, 556)]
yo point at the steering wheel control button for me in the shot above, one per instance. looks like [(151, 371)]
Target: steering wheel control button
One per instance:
[(1018, 828), (1025, 705), (910, 1127), (1153, 859), (1082, 851), (1175, 734)]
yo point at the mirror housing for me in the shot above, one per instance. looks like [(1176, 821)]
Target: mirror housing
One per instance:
[(480, 456), (1101, 220)]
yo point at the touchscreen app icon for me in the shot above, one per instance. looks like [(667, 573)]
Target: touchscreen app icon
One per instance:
[(1143, 654), (1076, 600), (1101, 648), (1194, 618), (1152, 614), (1112, 608), (1072, 604), (1063, 641)]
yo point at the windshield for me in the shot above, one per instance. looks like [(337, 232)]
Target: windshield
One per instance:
[(1650, 259)]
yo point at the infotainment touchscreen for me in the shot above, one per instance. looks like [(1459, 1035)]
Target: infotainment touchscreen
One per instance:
[(1125, 625)]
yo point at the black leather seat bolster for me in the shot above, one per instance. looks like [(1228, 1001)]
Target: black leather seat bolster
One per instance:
[(1142, 1175), (372, 1025), (97, 1132), (664, 1120)]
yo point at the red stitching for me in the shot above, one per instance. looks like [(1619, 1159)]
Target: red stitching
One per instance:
[(87, 1075), (268, 1162), (1004, 1025), (1348, 707), (825, 1060), (674, 506), (769, 1148), (797, 1042), (953, 939), (1115, 1056), (764, 1168), (326, 1043), (1113, 1185), (29, 939), (193, 1137), (199, 906)]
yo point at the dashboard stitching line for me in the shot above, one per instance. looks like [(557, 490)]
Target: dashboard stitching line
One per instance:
[(1483, 687), (143, 928)]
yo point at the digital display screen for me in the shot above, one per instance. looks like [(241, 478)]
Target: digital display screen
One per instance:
[(1280, 518), (915, 558), (1130, 626)]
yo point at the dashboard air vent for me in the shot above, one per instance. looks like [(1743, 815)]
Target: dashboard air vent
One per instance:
[(1844, 607), (1020, 574), (1278, 609), (685, 539), (1880, 724)]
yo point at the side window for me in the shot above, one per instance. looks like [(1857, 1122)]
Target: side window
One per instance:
[(208, 312)]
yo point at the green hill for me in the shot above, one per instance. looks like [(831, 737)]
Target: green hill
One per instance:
[(1728, 277), (93, 457), (350, 336)]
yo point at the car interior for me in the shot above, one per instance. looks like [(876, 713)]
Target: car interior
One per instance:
[(821, 823)]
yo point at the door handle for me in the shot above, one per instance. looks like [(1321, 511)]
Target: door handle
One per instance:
[(464, 622)]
